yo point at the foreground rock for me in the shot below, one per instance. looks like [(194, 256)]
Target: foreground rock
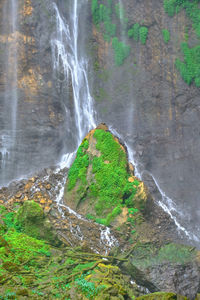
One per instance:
[(171, 267), (101, 183)]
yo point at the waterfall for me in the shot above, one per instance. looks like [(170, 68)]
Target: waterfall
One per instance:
[(10, 101), (67, 57), (122, 21)]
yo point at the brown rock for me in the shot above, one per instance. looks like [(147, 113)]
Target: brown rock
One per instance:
[(48, 186), (42, 201), (18, 195)]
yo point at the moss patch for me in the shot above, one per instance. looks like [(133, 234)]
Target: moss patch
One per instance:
[(30, 219), (145, 255), (100, 178), (161, 296)]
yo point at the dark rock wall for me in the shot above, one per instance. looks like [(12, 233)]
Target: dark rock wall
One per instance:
[(41, 134), (150, 105)]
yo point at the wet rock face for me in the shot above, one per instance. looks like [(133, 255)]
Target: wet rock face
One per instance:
[(172, 268), (182, 279), (149, 104), (33, 126)]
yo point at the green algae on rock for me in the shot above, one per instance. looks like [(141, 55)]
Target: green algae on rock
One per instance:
[(31, 220), (161, 296), (100, 183), (32, 269)]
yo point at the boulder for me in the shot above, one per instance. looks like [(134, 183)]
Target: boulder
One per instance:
[(100, 182), (161, 296), (171, 268), (31, 220)]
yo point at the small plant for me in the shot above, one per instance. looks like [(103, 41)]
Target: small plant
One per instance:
[(143, 34), (189, 68), (79, 168), (88, 288), (121, 51), (166, 35), (134, 32)]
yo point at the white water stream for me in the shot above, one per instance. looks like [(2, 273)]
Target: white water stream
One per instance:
[(7, 139), (66, 56)]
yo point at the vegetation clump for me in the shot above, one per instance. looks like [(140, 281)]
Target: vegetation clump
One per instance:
[(134, 32), (161, 296), (189, 67), (121, 51), (30, 219), (104, 15), (107, 188), (166, 35)]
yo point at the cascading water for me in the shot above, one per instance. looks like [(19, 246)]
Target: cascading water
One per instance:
[(66, 56), (122, 21), (8, 136)]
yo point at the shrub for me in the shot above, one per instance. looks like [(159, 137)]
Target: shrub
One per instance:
[(79, 167), (121, 51), (166, 35), (134, 32), (189, 68), (143, 34)]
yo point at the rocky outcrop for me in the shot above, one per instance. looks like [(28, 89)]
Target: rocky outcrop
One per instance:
[(161, 296), (171, 267), (31, 220), (100, 184)]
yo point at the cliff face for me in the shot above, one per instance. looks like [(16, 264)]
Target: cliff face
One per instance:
[(136, 89), (39, 134), (148, 102)]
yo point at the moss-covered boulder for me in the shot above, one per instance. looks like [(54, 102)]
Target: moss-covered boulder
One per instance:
[(169, 267), (31, 220), (161, 296), (100, 182)]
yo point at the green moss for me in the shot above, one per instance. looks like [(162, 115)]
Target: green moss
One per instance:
[(101, 14), (166, 35), (32, 269), (31, 220), (88, 288), (79, 167), (134, 32), (161, 296), (146, 255), (143, 34), (107, 188), (191, 8), (189, 68), (121, 51), (175, 253)]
